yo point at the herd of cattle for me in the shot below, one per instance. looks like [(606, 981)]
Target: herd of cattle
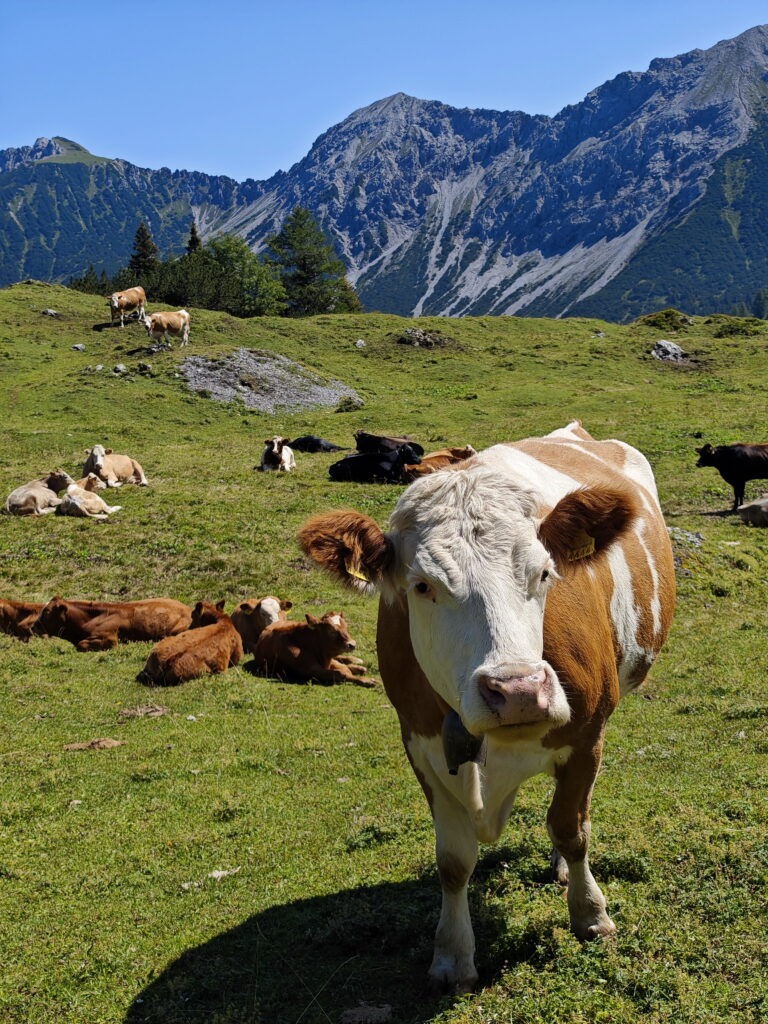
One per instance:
[(378, 458), (202, 640), (159, 326)]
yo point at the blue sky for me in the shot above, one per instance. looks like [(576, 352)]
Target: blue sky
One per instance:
[(245, 88)]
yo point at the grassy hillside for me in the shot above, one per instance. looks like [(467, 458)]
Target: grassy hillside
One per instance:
[(108, 912)]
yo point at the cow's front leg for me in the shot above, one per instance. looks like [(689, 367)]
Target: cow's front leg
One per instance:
[(569, 827), (453, 963)]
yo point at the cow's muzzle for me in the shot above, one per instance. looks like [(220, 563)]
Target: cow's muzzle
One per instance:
[(516, 695)]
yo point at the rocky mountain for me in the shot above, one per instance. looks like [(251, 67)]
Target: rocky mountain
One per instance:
[(651, 191)]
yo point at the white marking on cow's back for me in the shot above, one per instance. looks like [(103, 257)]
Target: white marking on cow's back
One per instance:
[(626, 619), (487, 792), (532, 474), (655, 596)]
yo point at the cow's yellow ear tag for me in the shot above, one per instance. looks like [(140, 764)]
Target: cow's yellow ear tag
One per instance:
[(583, 546), (352, 569)]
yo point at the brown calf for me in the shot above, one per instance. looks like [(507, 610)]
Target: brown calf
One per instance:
[(18, 617), (316, 650), (168, 325), (210, 645), (101, 625), (437, 460), (130, 301), (251, 618)]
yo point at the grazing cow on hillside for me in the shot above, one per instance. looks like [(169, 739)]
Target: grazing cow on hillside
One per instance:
[(132, 300), (437, 460), (375, 467), (38, 497), (168, 325), (523, 592), (312, 444), (210, 645), (18, 617), (736, 463), (84, 503), (277, 455), (365, 442), (251, 618), (115, 470), (316, 650), (101, 625)]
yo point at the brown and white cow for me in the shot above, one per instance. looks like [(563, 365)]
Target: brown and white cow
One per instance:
[(39, 497), (437, 460), (523, 592), (132, 300), (92, 482), (316, 650), (85, 503), (251, 618), (277, 455), (210, 645), (18, 617), (168, 325), (101, 625), (115, 470)]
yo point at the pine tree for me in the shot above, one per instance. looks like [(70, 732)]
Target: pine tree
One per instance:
[(194, 242), (311, 272), (143, 261), (89, 282)]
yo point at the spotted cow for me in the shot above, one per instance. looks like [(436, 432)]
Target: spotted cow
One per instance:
[(523, 592)]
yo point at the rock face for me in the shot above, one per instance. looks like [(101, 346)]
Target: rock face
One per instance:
[(438, 210)]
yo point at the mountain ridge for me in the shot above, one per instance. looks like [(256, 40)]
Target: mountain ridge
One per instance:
[(445, 210)]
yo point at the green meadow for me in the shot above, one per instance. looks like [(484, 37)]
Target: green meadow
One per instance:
[(261, 853)]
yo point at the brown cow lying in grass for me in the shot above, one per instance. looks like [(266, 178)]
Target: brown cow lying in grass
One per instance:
[(211, 645), (315, 650), (251, 618), (437, 460), (92, 482), (39, 496), (115, 470), (18, 617), (101, 625)]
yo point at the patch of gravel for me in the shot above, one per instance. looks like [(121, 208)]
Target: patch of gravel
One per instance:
[(262, 380)]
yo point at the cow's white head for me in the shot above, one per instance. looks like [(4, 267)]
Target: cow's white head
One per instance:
[(97, 454), (474, 555)]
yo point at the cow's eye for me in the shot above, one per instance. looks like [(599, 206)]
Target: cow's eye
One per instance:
[(423, 589), (545, 576)]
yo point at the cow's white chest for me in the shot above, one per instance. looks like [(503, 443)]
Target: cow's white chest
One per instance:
[(486, 792)]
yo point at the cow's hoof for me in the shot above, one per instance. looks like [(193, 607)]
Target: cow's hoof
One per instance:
[(559, 868), (588, 931), (448, 976), (362, 681)]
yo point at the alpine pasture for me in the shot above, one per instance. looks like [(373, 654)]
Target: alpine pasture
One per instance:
[(261, 851)]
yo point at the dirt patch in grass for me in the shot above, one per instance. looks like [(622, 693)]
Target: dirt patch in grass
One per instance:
[(263, 380)]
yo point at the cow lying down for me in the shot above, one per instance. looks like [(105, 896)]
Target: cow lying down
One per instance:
[(115, 470), (251, 618), (18, 617), (277, 455), (101, 625), (39, 497), (81, 502), (210, 645), (523, 592), (317, 650)]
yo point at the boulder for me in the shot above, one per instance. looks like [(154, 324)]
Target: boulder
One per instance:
[(669, 352), (755, 513)]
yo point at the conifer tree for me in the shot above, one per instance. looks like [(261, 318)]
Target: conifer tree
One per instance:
[(194, 242), (311, 272), (143, 261)]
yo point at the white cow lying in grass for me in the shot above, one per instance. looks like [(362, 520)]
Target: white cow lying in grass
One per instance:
[(39, 496), (115, 470), (79, 502)]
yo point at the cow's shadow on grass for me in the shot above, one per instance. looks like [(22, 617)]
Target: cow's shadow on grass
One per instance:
[(314, 959)]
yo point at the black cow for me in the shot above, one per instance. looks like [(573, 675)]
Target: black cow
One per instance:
[(312, 444), (365, 442), (375, 467), (736, 463)]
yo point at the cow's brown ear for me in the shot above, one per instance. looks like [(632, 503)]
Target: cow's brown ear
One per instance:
[(198, 608), (88, 451), (312, 620), (267, 440), (585, 522), (350, 546), (220, 605), (245, 606), (285, 605), (108, 451)]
